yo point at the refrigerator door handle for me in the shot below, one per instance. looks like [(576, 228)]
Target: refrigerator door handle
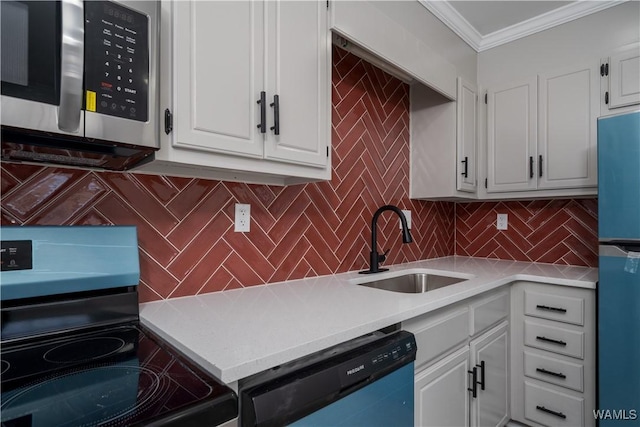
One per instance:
[(625, 251)]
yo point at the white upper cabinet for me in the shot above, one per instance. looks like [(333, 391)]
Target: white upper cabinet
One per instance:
[(466, 135), (567, 127), (218, 77), (443, 143), (621, 80), (248, 86), (624, 80), (511, 136), (541, 133), (297, 74)]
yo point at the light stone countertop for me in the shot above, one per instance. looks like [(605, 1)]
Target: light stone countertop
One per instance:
[(237, 333)]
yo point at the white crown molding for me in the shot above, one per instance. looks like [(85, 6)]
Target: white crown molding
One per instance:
[(452, 18)]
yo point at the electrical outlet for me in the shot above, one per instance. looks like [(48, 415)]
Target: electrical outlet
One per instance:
[(243, 218), (407, 215), (502, 222)]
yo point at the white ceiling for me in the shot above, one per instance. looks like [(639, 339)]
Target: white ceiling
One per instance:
[(485, 24)]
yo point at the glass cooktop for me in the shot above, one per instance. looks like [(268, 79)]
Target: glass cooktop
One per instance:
[(118, 376)]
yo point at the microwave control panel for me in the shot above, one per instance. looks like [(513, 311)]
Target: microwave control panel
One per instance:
[(116, 60)]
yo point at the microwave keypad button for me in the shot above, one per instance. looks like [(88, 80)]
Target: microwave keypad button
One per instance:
[(124, 91)]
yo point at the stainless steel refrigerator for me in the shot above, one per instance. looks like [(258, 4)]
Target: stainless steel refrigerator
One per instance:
[(619, 271)]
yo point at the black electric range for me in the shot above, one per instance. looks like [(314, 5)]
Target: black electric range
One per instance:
[(81, 358)]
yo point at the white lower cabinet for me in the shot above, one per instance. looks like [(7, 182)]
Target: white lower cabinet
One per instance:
[(441, 397), (552, 355), (462, 364), (489, 356)]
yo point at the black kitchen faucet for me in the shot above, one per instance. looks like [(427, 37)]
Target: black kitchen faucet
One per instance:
[(374, 257)]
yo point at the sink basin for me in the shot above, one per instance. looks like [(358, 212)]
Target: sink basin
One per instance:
[(414, 283)]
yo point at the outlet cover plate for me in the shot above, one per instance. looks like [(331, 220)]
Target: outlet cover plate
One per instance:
[(242, 222), (407, 215), (502, 222)]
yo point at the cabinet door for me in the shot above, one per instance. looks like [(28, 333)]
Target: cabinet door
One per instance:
[(441, 396), (218, 75), (511, 136), (298, 73), (567, 127), (491, 407), (467, 113), (624, 78)]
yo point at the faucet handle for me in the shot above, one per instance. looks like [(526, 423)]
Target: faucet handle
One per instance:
[(382, 257)]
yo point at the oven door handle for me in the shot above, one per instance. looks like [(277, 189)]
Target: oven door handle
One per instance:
[(71, 65)]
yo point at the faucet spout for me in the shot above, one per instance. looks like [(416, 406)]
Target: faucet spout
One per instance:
[(374, 257)]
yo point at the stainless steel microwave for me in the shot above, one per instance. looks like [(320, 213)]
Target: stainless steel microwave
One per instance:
[(79, 82)]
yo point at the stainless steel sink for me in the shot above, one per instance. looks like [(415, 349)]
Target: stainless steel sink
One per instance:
[(414, 283)]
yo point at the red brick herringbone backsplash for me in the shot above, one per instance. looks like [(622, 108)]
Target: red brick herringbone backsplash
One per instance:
[(551, 231), (185, 227)]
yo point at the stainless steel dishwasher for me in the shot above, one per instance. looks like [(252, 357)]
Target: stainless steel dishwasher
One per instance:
[(367, 381)]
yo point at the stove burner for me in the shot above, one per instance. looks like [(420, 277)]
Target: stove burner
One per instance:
[(4, 366), (100, 394), (84, 350)]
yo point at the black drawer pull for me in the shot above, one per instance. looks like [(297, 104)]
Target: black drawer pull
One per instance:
[(530, 167), (474, 382), (262, 102), (481, 382), (466, 166), (551, 340), (276, 115), (549, 411), (546, 307), (555, 374)]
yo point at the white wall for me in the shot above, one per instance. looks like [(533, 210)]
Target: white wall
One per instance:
[(585, 39)]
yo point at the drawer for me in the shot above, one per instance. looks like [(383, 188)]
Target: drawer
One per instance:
[(552, 408), (554, 307), (554, 371), (435, 335), (556, 339), (488, 311)]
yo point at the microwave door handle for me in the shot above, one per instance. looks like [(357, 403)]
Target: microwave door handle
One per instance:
[(71, 65)]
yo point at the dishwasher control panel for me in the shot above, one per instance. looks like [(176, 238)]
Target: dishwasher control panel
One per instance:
[(379, 359)]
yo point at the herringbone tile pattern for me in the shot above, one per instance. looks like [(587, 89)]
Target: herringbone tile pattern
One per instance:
[(551, 231), (185, 226)]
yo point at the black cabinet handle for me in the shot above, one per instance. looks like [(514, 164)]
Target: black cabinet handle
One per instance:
[(262, 102), (466, 166), (551, 340), (481, 382), (548, 308), (540, 166), (276, 115), (555, 374), (530, 166), (474, 382), (549, 411), (168, 121)]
